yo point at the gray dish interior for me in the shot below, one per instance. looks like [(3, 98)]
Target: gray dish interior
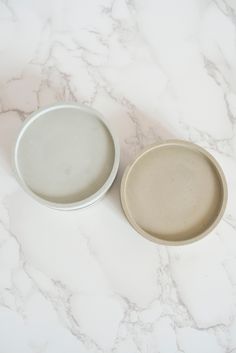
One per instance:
[(65, 155)]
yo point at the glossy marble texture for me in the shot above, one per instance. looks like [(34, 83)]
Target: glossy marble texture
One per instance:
[(85, 281)]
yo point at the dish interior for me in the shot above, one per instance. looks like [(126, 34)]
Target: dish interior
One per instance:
[(65, 155), (173, 193)]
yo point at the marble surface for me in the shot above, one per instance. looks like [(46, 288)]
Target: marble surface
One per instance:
[(85, 281)]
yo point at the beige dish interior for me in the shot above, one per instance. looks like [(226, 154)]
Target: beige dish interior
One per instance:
[(174, 193)]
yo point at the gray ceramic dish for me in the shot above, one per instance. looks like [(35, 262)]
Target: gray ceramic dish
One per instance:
[(174, 193), (65, 156)]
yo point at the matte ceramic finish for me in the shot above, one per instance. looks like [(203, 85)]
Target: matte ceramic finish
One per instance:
[(174, 193), (65, 156)]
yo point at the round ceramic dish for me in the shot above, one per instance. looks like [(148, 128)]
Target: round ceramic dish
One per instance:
[(65, 156), (174, 193)]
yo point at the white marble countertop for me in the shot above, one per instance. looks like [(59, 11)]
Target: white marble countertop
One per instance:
[(85, 281)]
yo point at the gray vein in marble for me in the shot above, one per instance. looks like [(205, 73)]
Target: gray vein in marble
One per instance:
[(230, 220), (10, 9), (227, 10), (214, 72), (60, 302), (221, 81), (222, 146)]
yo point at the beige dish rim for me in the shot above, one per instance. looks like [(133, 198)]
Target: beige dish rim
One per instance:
[(73, 205), (128, 213)]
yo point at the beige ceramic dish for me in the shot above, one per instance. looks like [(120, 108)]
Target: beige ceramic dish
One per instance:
[(174, 193)]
